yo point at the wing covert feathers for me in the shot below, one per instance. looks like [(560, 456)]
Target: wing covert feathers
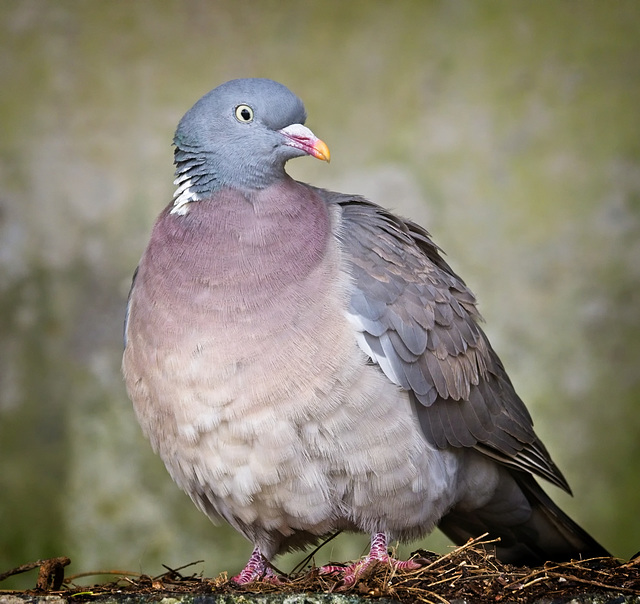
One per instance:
[(418, 321)]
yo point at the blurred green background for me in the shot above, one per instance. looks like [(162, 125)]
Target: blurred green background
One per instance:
[(511, 130)]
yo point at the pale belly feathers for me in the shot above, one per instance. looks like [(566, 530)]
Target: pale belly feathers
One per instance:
[(271, 418)]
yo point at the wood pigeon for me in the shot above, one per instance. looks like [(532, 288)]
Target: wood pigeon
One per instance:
[(305, 361)]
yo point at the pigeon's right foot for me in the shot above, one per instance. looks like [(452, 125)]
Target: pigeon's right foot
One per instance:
[(256, 570)]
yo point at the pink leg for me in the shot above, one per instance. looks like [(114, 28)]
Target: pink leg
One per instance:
[(379, 546), (255, 569), (377, 553)]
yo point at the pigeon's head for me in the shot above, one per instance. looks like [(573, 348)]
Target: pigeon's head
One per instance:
[(240, 135)]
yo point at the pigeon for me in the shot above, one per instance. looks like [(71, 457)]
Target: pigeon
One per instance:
[(305, 361)]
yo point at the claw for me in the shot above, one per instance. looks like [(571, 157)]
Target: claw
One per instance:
[(256, 570), (377, 555)]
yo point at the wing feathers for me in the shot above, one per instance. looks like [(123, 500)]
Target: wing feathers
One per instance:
[(418, 321)]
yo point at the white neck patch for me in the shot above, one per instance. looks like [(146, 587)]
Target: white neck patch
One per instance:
[(183, 196)]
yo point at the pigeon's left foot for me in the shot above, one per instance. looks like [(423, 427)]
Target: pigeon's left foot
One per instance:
[(378, 554), (256, 570)]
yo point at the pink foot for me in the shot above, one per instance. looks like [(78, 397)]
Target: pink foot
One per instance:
[(378, 554), (255, 570)]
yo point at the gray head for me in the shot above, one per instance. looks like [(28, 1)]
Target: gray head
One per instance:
[(240, 135)]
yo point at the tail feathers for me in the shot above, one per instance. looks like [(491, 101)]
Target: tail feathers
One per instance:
[(532, 529)]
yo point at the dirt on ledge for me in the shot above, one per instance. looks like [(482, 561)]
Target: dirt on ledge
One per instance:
[(469, 573)]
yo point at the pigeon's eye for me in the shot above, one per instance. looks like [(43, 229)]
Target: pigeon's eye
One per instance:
[(244, 113)]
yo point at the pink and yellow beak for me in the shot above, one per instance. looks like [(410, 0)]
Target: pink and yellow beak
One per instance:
[(302, 138)]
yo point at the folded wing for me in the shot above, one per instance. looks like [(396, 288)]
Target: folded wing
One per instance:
[(418, 321)]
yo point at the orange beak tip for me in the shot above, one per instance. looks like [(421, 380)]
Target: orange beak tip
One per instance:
[(321, 151)]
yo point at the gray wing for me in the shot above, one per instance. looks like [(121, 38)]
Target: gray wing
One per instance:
[(126, 315), (418, 321)]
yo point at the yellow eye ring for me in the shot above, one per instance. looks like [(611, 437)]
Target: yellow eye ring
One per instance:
[(244, 114)]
